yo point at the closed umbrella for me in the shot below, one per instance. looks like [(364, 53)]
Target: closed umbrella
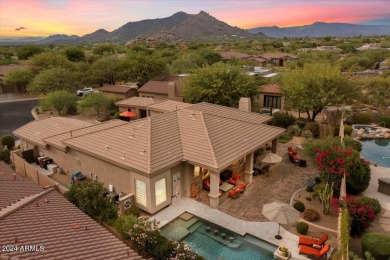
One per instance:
[(270, 158), (280, 213)]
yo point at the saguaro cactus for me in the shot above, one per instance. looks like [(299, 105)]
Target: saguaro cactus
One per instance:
[(325, 196)]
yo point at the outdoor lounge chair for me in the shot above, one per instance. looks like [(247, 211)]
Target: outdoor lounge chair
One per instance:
[(313, 252), (310, 241), (234, 179)]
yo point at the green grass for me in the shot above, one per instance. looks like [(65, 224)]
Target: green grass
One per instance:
[(284, 139)]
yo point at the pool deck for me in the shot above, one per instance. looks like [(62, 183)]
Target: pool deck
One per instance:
[(263, 230)]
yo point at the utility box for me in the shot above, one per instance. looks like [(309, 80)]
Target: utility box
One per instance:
[(125, 203)]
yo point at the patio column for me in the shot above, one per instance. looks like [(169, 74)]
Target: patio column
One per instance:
[(275, 144), (249, 167), (214, 189)]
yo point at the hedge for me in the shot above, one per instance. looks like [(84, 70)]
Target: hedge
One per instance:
[(377, 244)]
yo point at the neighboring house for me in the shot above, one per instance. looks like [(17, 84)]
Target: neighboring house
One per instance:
[(371, 46), (155, 158), (169, 87), (278, 59), (45, 225), (271, 96), (120, 91), (243, 56), (4, 69)]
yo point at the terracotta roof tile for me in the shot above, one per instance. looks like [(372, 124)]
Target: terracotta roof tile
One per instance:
[(277, 55), (118, 88), (270, 88), (154, 86), (169, 105), (47, 219), (137, 102), (234, 54)]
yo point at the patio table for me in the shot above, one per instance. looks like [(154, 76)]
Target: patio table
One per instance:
[(225, 187)]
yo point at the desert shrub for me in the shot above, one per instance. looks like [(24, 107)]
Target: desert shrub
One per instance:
[(301, 123), (309, 188), (298, 205), (283, 119), (359, 175), (384, 121), (373, 203), (317, 180), (116, 115), (133, 210), (307, 134), (352, 143), (311, 215), (5, 155), (377, 244), (7, 140), (294, 130), (302, 228), (347, 130), (313, 127), (123, 224), (362, 118)]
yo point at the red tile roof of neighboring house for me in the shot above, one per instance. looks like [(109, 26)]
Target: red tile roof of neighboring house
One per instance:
[(234, 54), (278, 55), (122, 89), (161, 86), (270, 88), (45, 218)]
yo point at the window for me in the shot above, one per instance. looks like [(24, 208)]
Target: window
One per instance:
[(272, 101), (140, 192), (161, 191)]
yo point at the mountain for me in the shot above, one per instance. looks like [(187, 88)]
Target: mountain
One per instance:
[(6, 41), (184, 26), (319, 29), (58, 38)]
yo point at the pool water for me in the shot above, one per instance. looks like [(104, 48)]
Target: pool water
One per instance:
[(376, 150), (214, 242)]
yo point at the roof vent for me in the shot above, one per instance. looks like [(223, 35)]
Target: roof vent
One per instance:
[(131, 136), (123, 157), (142, 152), (107, 146), (37, 133)]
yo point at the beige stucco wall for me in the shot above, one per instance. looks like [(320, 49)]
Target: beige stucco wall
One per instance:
[(160, 96), (260, 99)]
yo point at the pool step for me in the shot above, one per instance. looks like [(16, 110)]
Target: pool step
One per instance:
[(259, 242), (195, 226), (216, 235)]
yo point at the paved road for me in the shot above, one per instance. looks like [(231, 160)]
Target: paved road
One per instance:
[(15, 114)]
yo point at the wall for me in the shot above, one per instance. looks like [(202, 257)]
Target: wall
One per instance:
[(159, 96)]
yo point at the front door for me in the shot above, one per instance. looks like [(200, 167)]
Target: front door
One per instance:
[(176, 187)]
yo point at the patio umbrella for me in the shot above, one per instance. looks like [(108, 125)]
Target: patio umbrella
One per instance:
[(280, 213), (128, 114), (270, 158)]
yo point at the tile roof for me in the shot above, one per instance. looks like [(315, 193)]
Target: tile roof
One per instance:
[(155, 86), (277, 55), (137, 102), (205, 134), (122, 89), (36, 131), (168, 105), (178, 83), (45, 218), (12, 189), (270, 88)]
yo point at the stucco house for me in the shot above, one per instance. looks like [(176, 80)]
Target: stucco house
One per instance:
[(271, 96), (155, 158), (120, 91), (170, 87)]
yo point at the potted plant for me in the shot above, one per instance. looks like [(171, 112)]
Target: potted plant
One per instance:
[(283, 251)]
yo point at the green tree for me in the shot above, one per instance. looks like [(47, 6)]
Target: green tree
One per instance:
[(315, 86), (89, 197), (5, 155), (104, 49), (48, 60), (53, 79), (58, 100), (95, 101), (142, 68), (74, 53), (19, 78), (25, 52), (7, 140), (219, 84), (211, 57), (105, 70), (186, 63)]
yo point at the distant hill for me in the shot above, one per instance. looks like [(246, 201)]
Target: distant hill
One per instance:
[(57, 38), (6, 41), (184, 26), (320, 29)]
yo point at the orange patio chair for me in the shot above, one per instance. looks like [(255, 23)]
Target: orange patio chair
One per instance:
[(313, 252), (310, 241), (234, 179)]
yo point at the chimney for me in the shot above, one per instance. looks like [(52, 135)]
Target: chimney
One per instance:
[(245, 104), (171, 90)]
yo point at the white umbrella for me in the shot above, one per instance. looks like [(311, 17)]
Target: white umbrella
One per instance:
[(270, 158), (280, 213)]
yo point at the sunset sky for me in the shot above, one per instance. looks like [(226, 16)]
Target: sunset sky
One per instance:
[(47, 17)]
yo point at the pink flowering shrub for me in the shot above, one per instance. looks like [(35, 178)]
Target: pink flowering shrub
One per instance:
[(361, 214)]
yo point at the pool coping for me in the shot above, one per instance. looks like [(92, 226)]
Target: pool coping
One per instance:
[(262, 230)]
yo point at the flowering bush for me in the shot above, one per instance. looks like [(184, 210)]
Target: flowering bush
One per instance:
[(361, 214), (311, 215), (334, 162), (143, 235)]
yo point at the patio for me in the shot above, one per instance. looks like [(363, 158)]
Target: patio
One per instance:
[(283, 180)]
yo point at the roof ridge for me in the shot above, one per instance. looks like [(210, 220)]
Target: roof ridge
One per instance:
[(208, 139), (149, 152), (22, 202)]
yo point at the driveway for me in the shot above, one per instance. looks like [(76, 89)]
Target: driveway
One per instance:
[(15, 114)]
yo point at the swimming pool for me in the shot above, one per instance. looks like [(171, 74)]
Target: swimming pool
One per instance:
[(376, 150), (214, 242)]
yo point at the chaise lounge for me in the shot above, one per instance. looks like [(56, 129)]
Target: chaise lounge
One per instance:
[(310, 241), (313, 252)]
